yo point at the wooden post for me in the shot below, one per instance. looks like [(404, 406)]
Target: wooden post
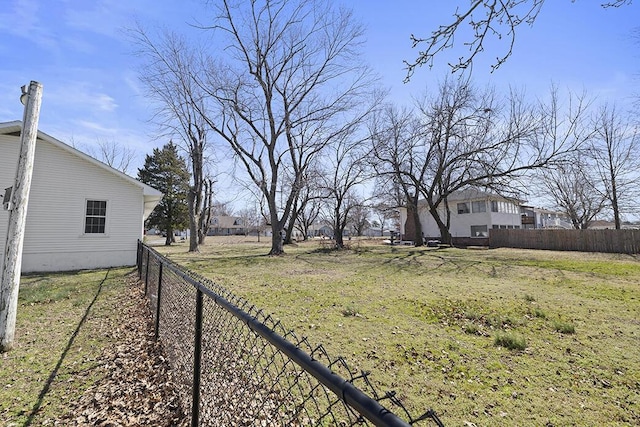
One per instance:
[(12, 265)]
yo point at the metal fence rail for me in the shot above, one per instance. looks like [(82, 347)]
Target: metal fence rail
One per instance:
[(240, 367)]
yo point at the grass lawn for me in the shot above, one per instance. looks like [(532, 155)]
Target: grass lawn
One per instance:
[(64, 322), (489, 337)]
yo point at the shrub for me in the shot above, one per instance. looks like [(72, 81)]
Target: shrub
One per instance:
[(471, 329), (564, 327), (538, 312), (510, 341)]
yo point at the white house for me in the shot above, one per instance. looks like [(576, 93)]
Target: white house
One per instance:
[(223, 225), (473, 214), (81, 214), (544, 218)]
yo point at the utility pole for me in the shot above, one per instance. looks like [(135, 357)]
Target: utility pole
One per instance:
[(12, 266)]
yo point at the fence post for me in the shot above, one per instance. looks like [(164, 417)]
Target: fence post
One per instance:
[(139, 259), (158, 303), (146, 273), (195, 409)]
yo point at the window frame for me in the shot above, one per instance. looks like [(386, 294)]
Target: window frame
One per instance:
[(478, 203), (102, 213), (465, 210), (484, 233)]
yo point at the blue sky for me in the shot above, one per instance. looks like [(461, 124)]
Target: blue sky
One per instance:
[(79, 51)]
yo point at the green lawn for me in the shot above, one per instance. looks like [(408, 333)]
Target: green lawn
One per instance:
[(490, 337), (64, 322)]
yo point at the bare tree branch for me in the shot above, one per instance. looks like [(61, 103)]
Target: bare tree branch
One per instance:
[(488, 19)]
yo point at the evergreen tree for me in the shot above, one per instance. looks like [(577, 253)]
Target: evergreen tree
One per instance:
[(167, 172)]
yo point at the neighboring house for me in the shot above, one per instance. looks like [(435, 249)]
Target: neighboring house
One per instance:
[(544, 218), (82, 213), (473, 214), (321, 230), (222, 225)]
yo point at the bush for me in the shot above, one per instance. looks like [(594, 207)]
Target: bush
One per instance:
[(471, 329), (510, 341), (564, 327), (539, 313)]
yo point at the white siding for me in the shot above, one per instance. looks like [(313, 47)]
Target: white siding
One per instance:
[(54, 235), (461, 223)]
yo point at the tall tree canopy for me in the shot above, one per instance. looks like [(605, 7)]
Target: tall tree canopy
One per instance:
[(170, 76), (167, 172), (288, 83)]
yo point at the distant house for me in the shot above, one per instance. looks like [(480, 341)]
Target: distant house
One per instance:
[(473, 214), (543, 218), (222, 225), (82, 213)]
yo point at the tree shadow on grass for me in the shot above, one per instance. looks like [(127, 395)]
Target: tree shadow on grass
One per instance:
[(54, 373), (414, 257)]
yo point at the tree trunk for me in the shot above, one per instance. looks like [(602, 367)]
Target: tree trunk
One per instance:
[(413, 226), (614, 205), (445, 234), (193, 221), (205, 216), (338, 232), (276, 241), (276, 228), (288, 233), (169, 238)]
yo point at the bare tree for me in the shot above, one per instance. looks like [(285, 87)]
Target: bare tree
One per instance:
[(291, 77), (471, 138), (382, 213), (204, 219), (398, 159), (477, 139), (615, 151), (343, 176), (488, 19), (308, 216), (219, 208), (170, 77), (571, 186), (359, 218), (389, 198), (306, 207), (116, 155)]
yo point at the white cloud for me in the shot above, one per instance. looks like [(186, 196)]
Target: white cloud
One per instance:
[(105, 17), (21, 18), (82, 97)]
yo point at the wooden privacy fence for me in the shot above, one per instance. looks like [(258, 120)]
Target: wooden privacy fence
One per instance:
[(613, 241)]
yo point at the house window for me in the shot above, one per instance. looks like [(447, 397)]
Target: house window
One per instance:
[(479, 206), (479, 231), (494, 206), (463, 208), (96, 217)]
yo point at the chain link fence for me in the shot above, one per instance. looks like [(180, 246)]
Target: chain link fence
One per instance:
[(240, 367)]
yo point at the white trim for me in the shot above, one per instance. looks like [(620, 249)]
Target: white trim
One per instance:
[(16, 126), (107, 216)]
